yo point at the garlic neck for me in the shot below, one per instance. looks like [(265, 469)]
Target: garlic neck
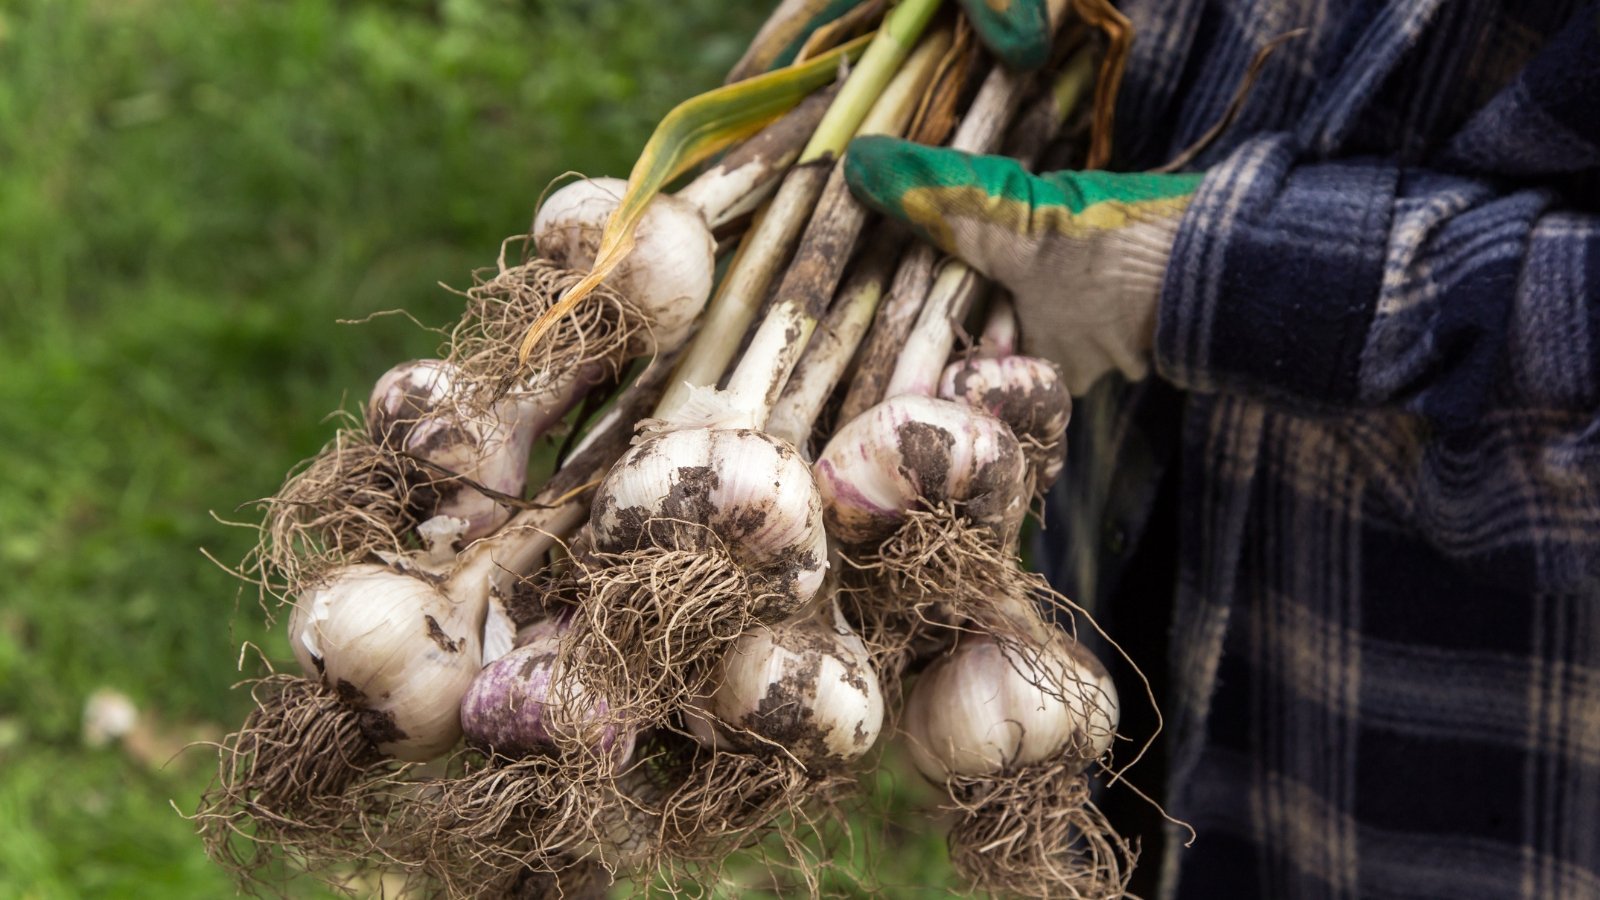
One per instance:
[(496, 563), (537, 413), (929, 345), (999, 330)]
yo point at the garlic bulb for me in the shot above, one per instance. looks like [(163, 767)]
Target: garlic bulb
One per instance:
[(1024, 392), (396, 646), (414, 409), (668, 274), (624, 833), (513, 704), (806, 685), (986, 710), (749, 489), (910, 451)]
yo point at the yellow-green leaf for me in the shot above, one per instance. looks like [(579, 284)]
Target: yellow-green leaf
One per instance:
[(693, 131)]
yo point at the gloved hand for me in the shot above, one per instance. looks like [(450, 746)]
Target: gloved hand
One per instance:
[(1017, 32), (1084, 253)]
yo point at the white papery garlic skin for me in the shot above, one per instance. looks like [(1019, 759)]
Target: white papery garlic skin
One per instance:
[(396, 646), (1024, 392), (975, 712), (807, 685), (668, 273), (910, 451), (414, 408), (752, 490)]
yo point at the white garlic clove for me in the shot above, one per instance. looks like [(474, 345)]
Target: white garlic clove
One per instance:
[(749, 489), (415, 408), (986, 710), (396, 647), (669, 272), (499, 631), (910, 451), (1024, 392), (806, 685)]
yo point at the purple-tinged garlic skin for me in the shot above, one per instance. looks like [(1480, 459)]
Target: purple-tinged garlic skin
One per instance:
[(509, 705), (395, 646), (986, 710), (751, 490), (1028, 395), (909, 452), (669, 272), (413, 409), (806, 685)]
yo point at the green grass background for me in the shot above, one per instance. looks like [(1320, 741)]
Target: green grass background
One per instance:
[(192, 194)]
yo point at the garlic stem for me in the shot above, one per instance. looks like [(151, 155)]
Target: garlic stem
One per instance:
[(751, 172), (928, 346), (496, 562), (1037, 126), (999, 329), (418, 408), (901, 29), (893, 321), (834, 344), (745, 285), (770, 241), (1075, 79), (909, 361), (786, 25), (825, 247), (782, 336), (540, 412), (981, 130)]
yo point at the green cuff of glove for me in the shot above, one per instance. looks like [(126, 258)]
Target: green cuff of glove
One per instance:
[(928, 187), (1015, 31)]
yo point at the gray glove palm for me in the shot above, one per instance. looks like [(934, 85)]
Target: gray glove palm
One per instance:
[(1083, 253)]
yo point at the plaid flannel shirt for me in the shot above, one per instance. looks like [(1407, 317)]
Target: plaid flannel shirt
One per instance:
[(1383, 313)]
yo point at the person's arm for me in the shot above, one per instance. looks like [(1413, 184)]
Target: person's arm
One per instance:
[(1367, 283), (1331, 284), (1340, 284), (1361, 283)]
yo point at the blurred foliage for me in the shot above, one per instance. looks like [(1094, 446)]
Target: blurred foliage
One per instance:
[(193, 193)]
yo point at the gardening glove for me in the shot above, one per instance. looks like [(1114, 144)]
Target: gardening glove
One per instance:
[(1084, 253), (1017, 32)]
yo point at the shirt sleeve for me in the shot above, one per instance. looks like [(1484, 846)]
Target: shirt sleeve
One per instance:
[(1469, 285), (1362, 283)]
